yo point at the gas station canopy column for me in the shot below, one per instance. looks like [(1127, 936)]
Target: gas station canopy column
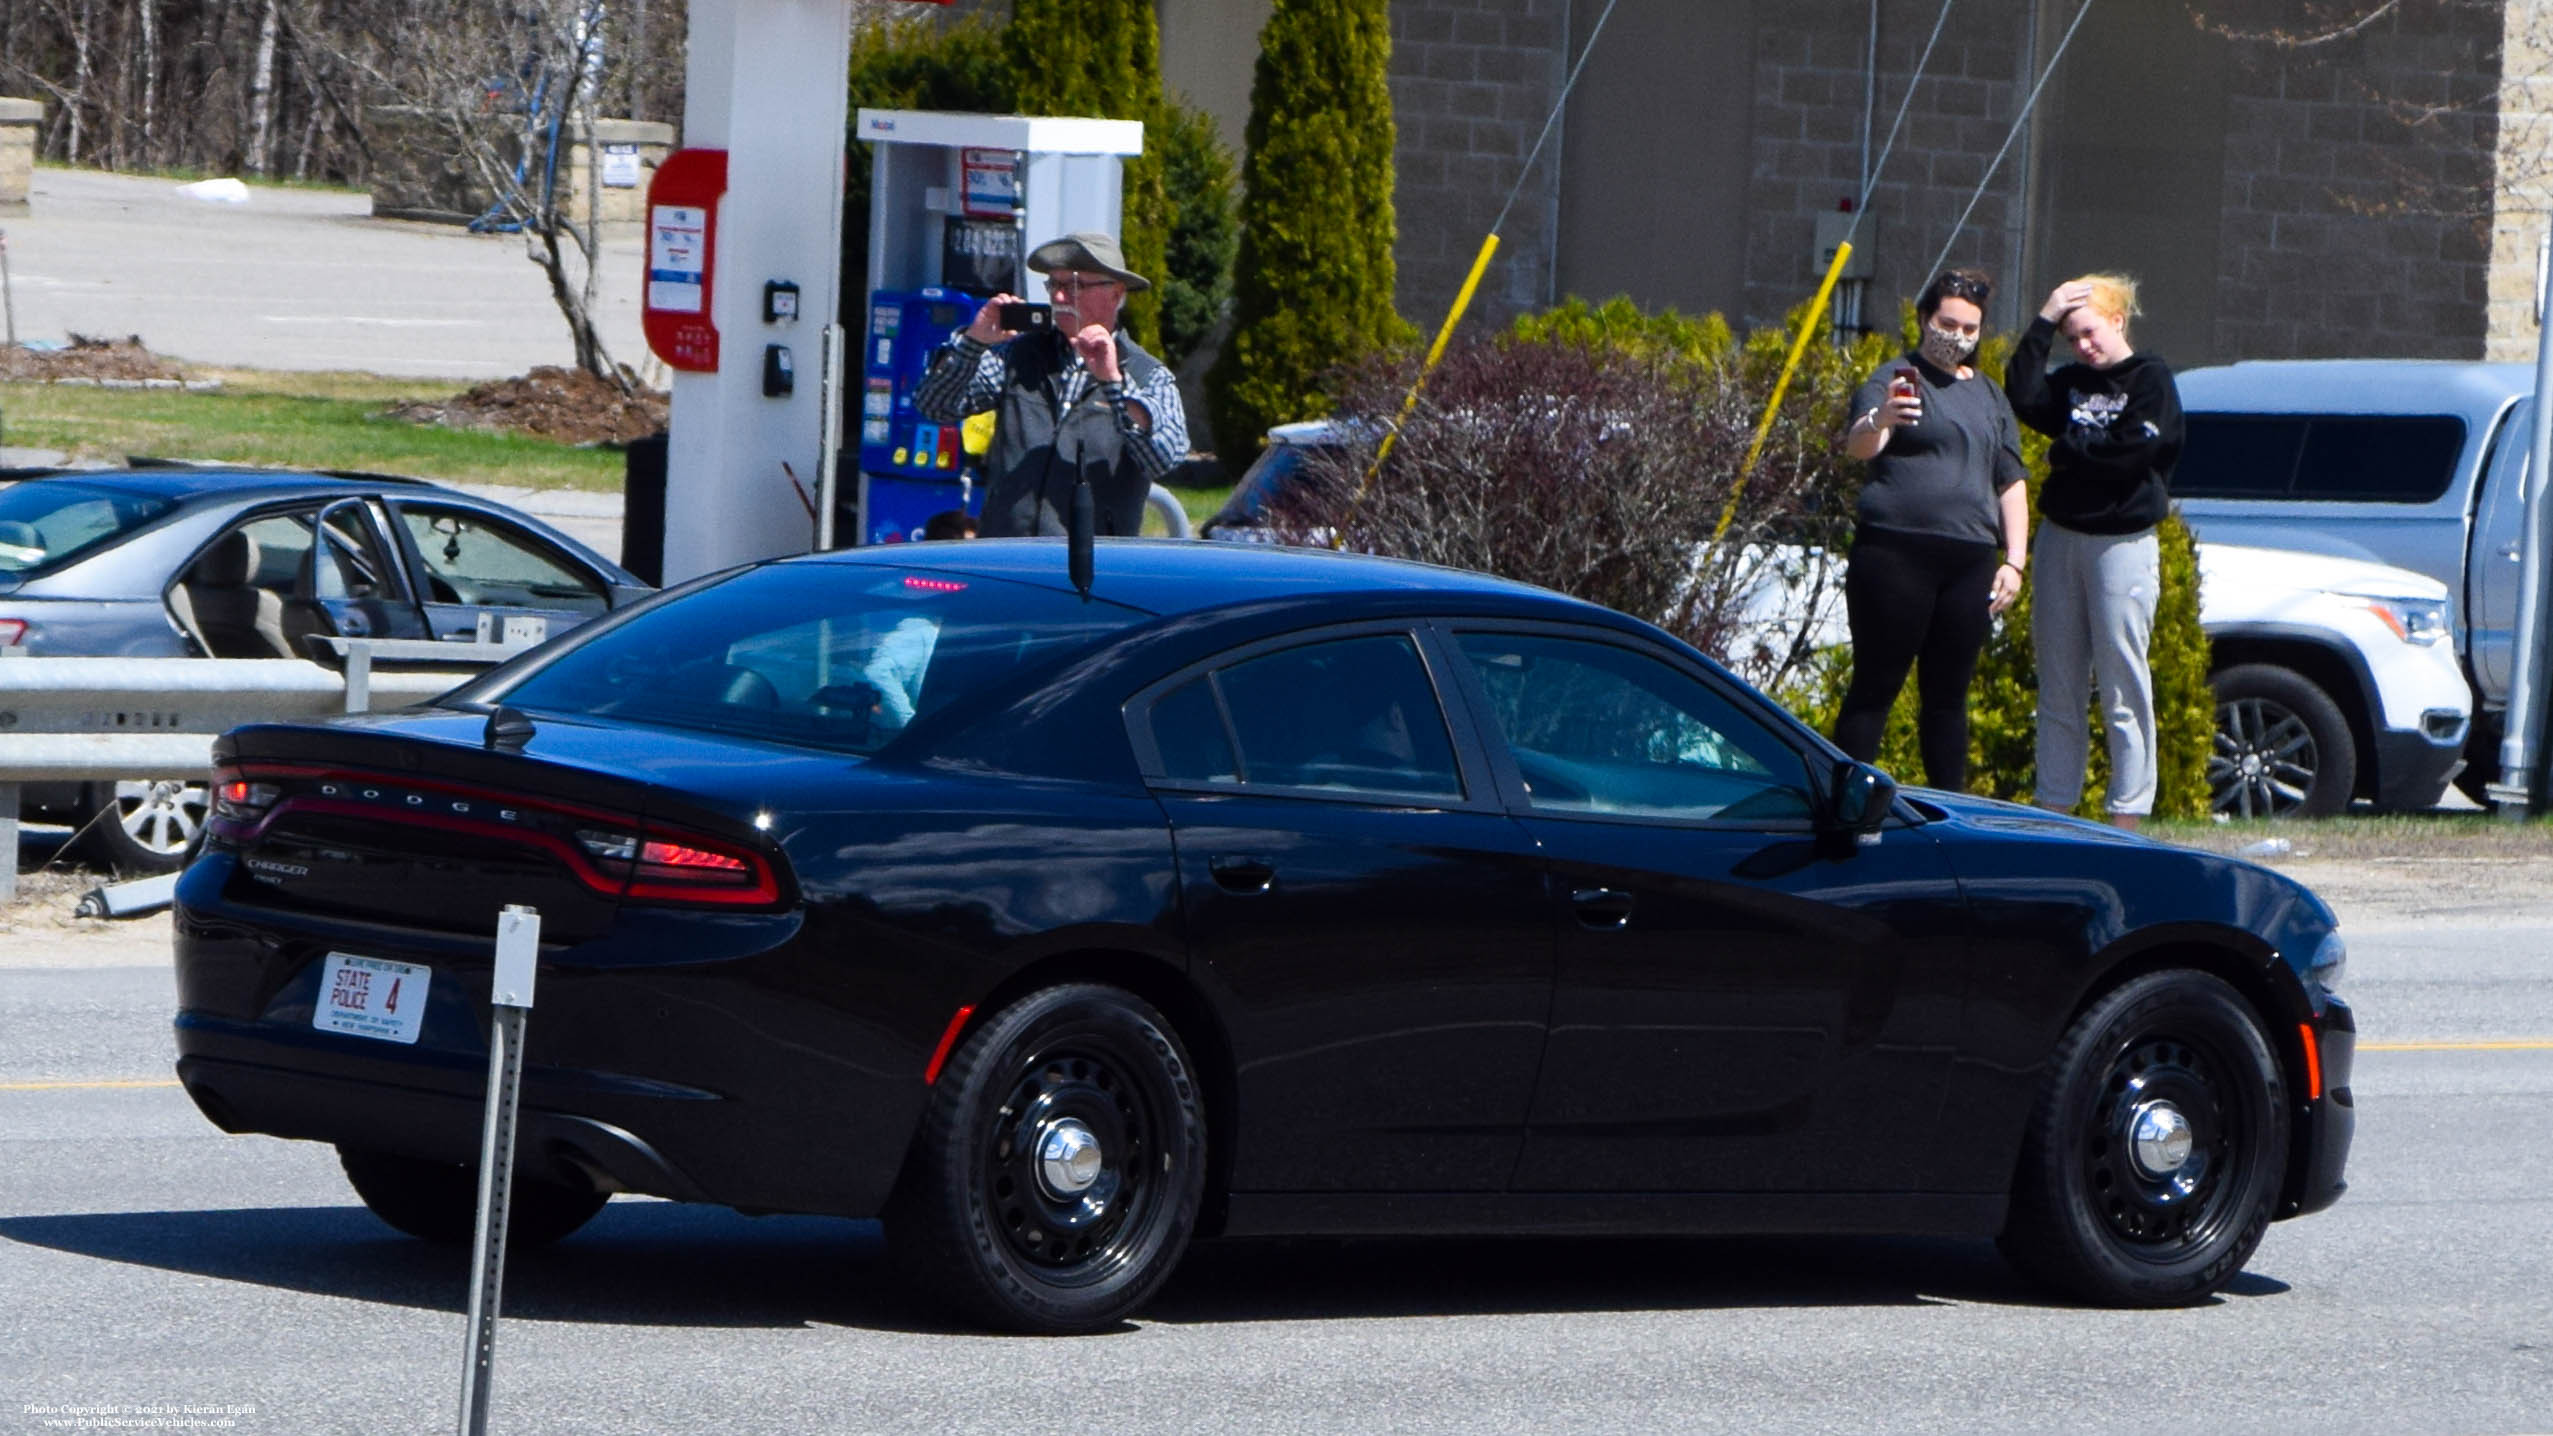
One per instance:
[(757, 262)]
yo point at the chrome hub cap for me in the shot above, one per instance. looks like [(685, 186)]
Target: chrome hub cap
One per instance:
[(2159, 1137), (1068, 1159)]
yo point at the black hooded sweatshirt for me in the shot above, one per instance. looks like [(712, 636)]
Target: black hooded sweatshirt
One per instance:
[(2115, 432)]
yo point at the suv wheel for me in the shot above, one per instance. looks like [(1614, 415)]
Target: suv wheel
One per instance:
[(2283, 748)]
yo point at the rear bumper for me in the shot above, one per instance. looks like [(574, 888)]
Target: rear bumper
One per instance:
[(444, 1126), (2326, 1125)]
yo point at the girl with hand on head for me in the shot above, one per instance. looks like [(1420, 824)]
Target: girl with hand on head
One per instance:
[(2113, 416), (1940, 534)]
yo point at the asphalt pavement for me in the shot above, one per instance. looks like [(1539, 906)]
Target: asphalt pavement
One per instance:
[(294, 278), (157, 1264)]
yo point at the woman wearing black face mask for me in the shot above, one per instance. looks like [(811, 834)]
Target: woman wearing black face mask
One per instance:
[(1940, 535)]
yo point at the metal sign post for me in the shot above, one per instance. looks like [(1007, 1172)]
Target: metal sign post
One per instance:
[(518, 946), (2517, 794)]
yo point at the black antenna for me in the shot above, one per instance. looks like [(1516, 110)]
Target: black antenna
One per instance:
[(508, 729), (1077, 537)]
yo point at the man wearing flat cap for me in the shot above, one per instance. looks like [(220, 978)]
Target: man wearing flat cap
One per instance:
[(1081, 401)]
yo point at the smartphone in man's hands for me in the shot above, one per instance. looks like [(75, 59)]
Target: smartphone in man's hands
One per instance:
[(1022, 316)]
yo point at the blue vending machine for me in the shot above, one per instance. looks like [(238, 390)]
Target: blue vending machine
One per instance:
[(910, 467)]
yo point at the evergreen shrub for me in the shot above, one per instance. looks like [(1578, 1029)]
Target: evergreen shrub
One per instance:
[(1312, 287)]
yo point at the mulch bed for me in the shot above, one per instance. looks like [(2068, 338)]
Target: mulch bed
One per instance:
[(89, 358), (568, 405)]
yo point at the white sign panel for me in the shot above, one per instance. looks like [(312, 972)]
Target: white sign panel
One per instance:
[(677, 257), (620, 166)]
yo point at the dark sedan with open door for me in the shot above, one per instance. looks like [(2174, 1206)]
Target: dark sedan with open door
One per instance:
[(1255, 892)]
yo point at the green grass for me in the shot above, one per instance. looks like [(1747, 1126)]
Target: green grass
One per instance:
[(2397, 835), (318, 421)]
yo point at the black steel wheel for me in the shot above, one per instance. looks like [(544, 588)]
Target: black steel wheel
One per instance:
[(1059, 1167), (439, 1201), (2153, 1160), (146, 826), (2283, 748)]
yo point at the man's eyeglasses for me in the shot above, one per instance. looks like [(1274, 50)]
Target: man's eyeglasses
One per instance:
[(1070, 285)]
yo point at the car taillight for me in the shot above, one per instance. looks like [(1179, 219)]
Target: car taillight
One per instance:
[(240, 803), (694, 869), (13, 631)]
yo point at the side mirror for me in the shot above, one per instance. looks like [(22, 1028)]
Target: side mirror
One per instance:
[(1862, 799), (625, 594)]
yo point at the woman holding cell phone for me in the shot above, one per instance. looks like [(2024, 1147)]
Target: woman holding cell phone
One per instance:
[(1940, 534)]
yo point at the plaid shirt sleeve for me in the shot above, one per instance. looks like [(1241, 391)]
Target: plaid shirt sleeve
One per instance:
[(964, 378), (1155, 454)]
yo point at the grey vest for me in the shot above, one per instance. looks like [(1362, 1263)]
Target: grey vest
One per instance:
[(1039, 449)]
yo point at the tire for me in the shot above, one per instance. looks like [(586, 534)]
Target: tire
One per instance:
[(2096, 1212), (152, 826), (991, 1220), (2283, 748), (439, 1201)]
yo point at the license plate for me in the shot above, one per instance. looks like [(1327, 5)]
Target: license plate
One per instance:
[(371, 997)]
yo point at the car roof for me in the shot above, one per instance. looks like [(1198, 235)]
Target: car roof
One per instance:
[(2354, 386), (187, 481), (1169, 576)]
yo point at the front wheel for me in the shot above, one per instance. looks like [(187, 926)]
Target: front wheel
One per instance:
[(1059, 1166), (2283, 748), (2153, 1160), (439, 1201)]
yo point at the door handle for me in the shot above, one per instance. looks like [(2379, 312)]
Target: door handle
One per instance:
[(1604, 909), (1244, 875)]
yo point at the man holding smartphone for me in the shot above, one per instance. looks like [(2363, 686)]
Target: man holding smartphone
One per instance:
[(1076, 401)]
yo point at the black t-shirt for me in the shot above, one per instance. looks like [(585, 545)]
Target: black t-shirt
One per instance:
[(1943, 475)]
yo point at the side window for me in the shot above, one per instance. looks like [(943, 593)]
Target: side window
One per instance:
[(2238, 456), (471, 558), (1188, 728), (350, 564), (2398, 461), (1350, 714), (1599, 729)]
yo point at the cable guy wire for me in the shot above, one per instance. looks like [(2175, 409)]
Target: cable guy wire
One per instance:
[(2008, 136), (1870, 181)]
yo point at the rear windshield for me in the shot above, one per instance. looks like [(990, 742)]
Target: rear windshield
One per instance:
[(2348, 458), (836, 656), (44, 522)]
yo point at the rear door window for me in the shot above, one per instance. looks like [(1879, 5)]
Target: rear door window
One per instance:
[(1349, 715)]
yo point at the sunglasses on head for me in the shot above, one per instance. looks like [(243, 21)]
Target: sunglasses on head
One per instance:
[(1961, 286)]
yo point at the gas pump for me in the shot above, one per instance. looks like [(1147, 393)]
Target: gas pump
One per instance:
[(955, 202)]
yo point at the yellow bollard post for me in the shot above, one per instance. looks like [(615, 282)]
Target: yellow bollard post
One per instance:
[(1781, 385)]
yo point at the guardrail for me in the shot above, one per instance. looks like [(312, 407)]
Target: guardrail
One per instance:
[(113, 719)]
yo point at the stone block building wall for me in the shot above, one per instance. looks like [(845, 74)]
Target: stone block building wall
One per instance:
[(1812, 59), (2358, 190), (1472, 81), (2523, 206)]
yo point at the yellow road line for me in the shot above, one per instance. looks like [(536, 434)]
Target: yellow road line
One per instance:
[(2521, 1044), (87, 1086)]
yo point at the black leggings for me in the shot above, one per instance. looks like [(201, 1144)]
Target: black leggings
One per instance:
[(1916, 600)]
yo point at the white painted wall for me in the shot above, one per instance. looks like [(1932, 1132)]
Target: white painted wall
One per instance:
[(766, 84)]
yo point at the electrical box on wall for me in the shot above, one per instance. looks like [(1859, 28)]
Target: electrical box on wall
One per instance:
[(1831, 231)]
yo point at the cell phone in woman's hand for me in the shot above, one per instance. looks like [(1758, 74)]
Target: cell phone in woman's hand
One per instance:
[(1903, 384)]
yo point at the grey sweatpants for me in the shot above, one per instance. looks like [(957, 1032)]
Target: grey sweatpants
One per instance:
[(2091, 613)]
